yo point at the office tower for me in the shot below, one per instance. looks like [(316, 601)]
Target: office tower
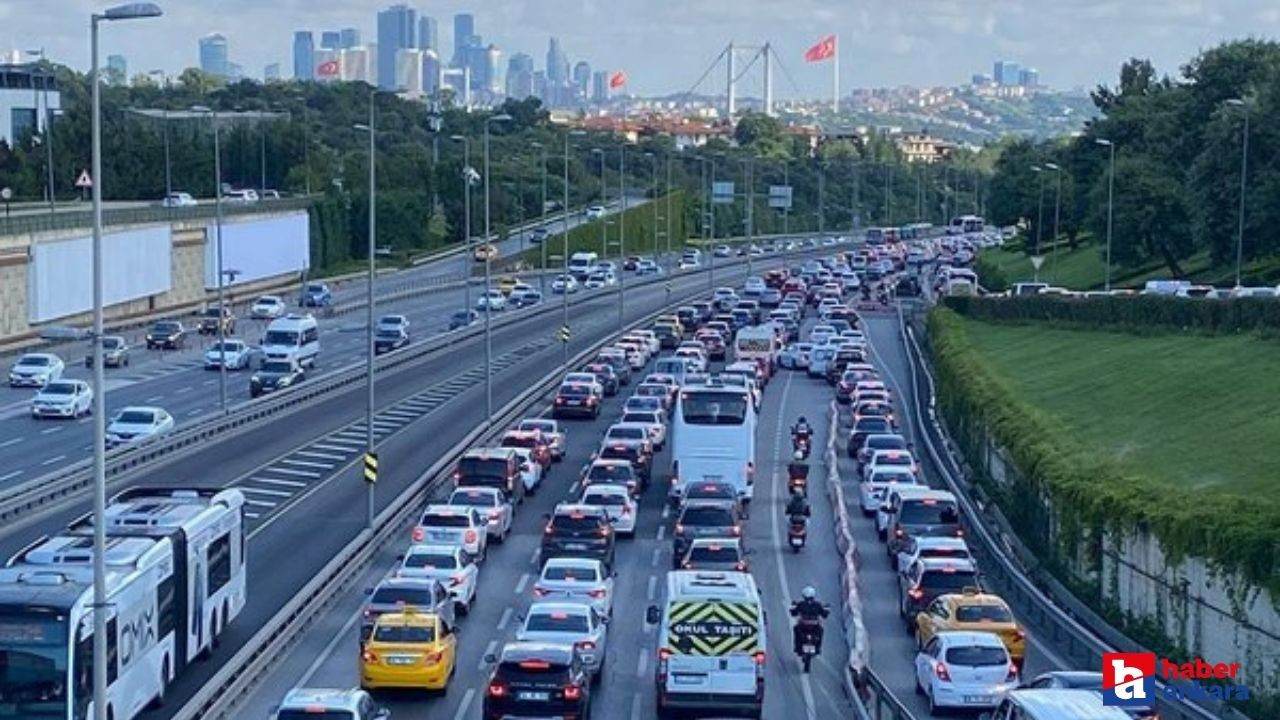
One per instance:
[(397, 30), (458, 80), (540, 86), (271, 72), (492, 81), (409, 70), (432, 72), (213, 55), (117, 69), (557, 64), (355, 65), (599, 87), (304, 60), (980, 79), (464, 29), (1029, 78), (349, 37), (520, 76), (372, 49), (1007, 73), (581, 79), (331, 40), (428, 34), (477, 63)]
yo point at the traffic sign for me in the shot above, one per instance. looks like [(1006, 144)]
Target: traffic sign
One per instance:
[(565, 333), (1037, 261), (371, 467), (84, 182)]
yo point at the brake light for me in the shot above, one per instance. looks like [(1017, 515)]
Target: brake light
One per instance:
[(737, 530), (572, 692), (559, 401), (457, 474), (626, 511), (599, 593), (369, 656), (664, 654), (1022, 634), (540, 592), (741, 567), (586, 645), (469, 536), (1013, 672), (679, 529), (759, 657), (457, 580), (495, 514), (941, 671), (548, 529), (535, 664), (915, 593), (897, 532), (419, 534), (432, 658), (497, 689), (959, 532)]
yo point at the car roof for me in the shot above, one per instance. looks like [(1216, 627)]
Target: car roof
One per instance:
[(945, 563), (397, 581), (551, 652), (735, 542), (408, 616), (940, 541), (605, 489), (433, 549), (975, 598), (1064, 704), (548, 607), (579, 508), (573, 562), (927, 493), (329, 698), (970, 637)]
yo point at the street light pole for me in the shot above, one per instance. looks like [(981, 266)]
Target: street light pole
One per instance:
[(372, 129), (488, 265), (168, 165), (217, 204), (466, 223), (1057, 208), (47, 135), (1111, 194), (1244, 173), (711, 265), (604, 195), (670, 258), (542, 277), (1039, 214), (622, 236)]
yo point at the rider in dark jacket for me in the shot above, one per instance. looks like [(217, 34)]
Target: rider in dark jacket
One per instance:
[(809, 614)]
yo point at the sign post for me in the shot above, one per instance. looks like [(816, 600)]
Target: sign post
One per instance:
[(84, 183)]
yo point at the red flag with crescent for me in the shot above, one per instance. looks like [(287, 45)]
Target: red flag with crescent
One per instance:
[(826, 48), (327, 69), (617, 80)]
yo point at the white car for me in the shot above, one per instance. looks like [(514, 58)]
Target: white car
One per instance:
[(569, 623), (549, 429), (138, 424), (237, 352), (754, 285), (925, 546), (964, 670), (599, 279), (584, 378), (649, 337), (393, 322), (820, 334), (871, 491), (450, 564), (697, 358), (627, 432), (617, 503), (576, 580), (655, 421), (492, 300), (563, 284), (723, 251), (890, 458), (595, 212), (36, 370), (178, 199), (492, 504), (531, 471), (454, 525), (63, 399), (267, 307)]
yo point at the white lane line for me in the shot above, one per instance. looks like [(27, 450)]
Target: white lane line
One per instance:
[(154, 398), (265, 491), (464, 707), (399, 415), (321, 455), (653, 561), (635, 707), (288, 471), (643, 663), (182, 390), (524, 581), (10, 475), (323, 657), (259, 503), (573, 489), (533, 559), (662, 532), (653, 588), (10, 441), (666, 512), (251, 515), (488, 650), (52, 430), (194, 412), (206, 383), (308, 463), (506, 618), (335, 447), (281, 483), (55, 459)]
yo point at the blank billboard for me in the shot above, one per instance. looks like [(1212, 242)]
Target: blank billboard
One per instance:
[(135, 264), (257, 249)]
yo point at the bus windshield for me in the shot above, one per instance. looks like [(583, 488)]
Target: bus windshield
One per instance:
[(711, 407), (33, 665), (281, 337)]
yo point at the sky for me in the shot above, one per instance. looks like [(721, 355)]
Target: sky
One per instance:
[(665, 46)]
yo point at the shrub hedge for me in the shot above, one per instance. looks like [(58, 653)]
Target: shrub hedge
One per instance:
[(1139, 313)]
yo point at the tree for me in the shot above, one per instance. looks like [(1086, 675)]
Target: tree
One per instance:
[(1151, 220)]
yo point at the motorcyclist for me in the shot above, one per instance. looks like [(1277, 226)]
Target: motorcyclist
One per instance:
[(809, 614), (797, 504), (801, 428)]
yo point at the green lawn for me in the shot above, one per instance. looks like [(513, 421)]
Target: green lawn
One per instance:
[(1084, 269), (1196, 411)]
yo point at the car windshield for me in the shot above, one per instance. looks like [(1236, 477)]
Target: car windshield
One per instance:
[(276, 367), (280, 337), (212, 312), (537, 673), (900, 459), (389, 333), (59, 388), (437, 561), (710, 490), (574, 522), (404, 633), (469, 498), (441, 520), (627, 433), (640, 417), (948, 579), (557, 622), (315, 289), (543, 425), (709, 407), (475, 467), (977, 655), (111, 343), (610, 472), (886, 443), (165, 327), (928, 511), (313, 713), (225, 347), (418, 597), (562, 572), (871, 424), (983, 613), (520, 441), (136, 417), (707, 516), (391, 320), (604, 499), (575, 390), (713, 554), (652, 391), (461, 315)]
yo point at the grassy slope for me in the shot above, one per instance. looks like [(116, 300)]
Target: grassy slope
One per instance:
[(1195, 411), (1084, 269)]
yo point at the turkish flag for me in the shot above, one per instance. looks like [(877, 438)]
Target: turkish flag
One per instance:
[(617, 80), (327, 69), (826, 48)]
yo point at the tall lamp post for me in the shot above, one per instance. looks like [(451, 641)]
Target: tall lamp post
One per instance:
[(622, 235), (168, 165), (1039, 171), (542, 225), (564, 221), (1057, 210), (217, 209), (372, 129), (47, 135), (1111, 194), (653, 184), (468, 179), (120, 12), (604, 195), (670, 258), (1244, 174), (488, 265)]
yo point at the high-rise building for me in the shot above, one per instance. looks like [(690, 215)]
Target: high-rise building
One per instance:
[(581, 79), (557, 63), (117, 69), (1007, 73), (355, 64), (331, 40), (477, 63), (540, 86), (350, 37), (409, 70), (397, 30), (213, 55), (980, 79), (328, 65), (599, 87), (519, 76), (271, 72), (492, 82), (464, 30), (304, 59), (432, 72), (428, 33), (1029, 78)]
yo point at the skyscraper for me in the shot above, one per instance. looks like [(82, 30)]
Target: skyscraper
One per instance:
[(1029, 78), (464, 29), (409, 70), (581, 79), (213, 55), (331, 40), (354, 63), (117, 69), (428, 33), (304, 59), (397, 30), (1007, 73), (599, 87), (432, 72), (519, 76), (557, 64), (492, 81), (350, 37)]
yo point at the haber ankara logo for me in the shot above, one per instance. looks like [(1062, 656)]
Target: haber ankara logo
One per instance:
[(1128, 679)]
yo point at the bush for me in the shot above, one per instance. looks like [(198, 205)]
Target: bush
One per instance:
[(1139, 313), (990, 276)]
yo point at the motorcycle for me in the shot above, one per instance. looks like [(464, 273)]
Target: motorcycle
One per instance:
[(798, 477), (800, 443), (796, 532), (810, 640)]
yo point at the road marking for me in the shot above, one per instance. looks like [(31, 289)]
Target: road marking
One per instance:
[(252, 515), (662, 532), (52, 430), (10, 441), (181, 390), (643, 663), (308, 463), (635, 707), (336, 447), (488, 650), (322, 456), (654, 560), (266, 491), (399, 415), (154, 399), (653, 587), (573, 489), (259, 503), (55, 459), (10, 475), (195, 412), (666, 512), (323, 657), (506, 618), (533, 559), (524, 581), (281, 483), (465, 706), (290, 471)]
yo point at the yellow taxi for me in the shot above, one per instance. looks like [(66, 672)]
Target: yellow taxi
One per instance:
[(409, 650), (485, 251), (972, 610), (507, 283)]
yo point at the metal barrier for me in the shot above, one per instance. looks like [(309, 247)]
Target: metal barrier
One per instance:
[(77, 219)]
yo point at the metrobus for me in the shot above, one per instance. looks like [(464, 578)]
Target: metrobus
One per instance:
[(966, 224), (175, 577), (714, 438)]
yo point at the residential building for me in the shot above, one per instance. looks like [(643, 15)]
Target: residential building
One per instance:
[(432, 72), (350, 37), (117, 69), (213, 55), (582, 80), (304, 60), (428, 34), (328, 65), (520, 76), (464, 30), (29, 98), (331, 40), (355, 65), (540, 86), (409, 71), (397, 30), (271, 72), (922, 147), (1029, 78)]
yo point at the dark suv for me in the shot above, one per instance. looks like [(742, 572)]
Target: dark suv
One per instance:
[(208, 322), (928, 578), (635, 452), (581, 531), (703, 518), (167, 335), (607, 375), (864, 426), (537, 680)]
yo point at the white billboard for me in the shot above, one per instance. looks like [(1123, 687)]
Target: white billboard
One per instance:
[(257, 249), (135, 264)]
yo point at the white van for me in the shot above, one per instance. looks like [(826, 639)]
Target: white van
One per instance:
[(582, 263), (711, 644), (676, 367), (293, 336)]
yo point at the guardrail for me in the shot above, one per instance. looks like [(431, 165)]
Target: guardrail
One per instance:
[(75, 219), (1081, 644)]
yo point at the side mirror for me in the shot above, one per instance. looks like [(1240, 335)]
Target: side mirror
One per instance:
[(368, 591), (748, 551), (400, 557), (652, 615), (490, 659), (382, 714)]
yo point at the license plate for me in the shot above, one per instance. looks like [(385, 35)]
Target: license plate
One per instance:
[(977, 699), (400, 660), (575, 546), (441, 535), (534, 696), (574, 402), (713, 478), (689, 679), (810, 649)]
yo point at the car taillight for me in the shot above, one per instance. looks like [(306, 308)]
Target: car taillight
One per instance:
[(457, 475), (741, 567), (495, 514), (1022, 634), (759, 658), (469, 536), (559, 401), (572, 692), (419, 534), (626, 511), (432, 658), (959, 532), (604, 531), (369, 656), (598, 593), (737, 530), (585, 645), (915, 593), (457, 580), (941, 671), (497, 689), (897, 532), (679, 529), (548, 529), (1013, 672)]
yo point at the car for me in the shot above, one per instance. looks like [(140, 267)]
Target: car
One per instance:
[(507, 283), (267, 307), (329, 703), (606, 376), (964, 670), (611, 472), (396, 593), (714, 490), (393, 322), (795, 356), (713, 342), (537, 680), (703, 518), (928, 578), (618, 359), (531, 470), (411, 650), (595, 212), (923, 512), (636, 451), (463, 318), (177, 200), (240, 197), (865, 426), (723, 251), (115, 352), (576, 399), (717, 554), (890, 458), (581, 531), (538, 235), (236, 353), (497, 468), (628, 433), (648, 267), (873, 486), (36, 370), (166, 335), (533, 440), (655, 421), (459, 525), (491, 300), (63, 399), (600, 278), (972, 610), (483, 252), (138, 424), (564, 284), (617, 502), (274, 375), (665, 394), (212, 316), (572, 624), (576, 579), (454, 567), (551, 431), (521, 297), (492, 504), (387, 340), (316, 294)]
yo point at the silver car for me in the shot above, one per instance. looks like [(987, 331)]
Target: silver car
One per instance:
[(569, 623), (579, 580), (492, 504), (394, 594)]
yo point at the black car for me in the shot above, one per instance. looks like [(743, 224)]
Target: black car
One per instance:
[(908, 286), (688, 317), (843, 358), (577, 400), (703, 518), (581, 531), (607, 376), (537, 680), (668, 338), (704, 309), (388, 339), (275, 375), (635, 452), (928, 578), (714, 490), (167, 335), (463, 318), (864, 426)]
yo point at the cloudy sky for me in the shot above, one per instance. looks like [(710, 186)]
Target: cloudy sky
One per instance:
[(666, 45)]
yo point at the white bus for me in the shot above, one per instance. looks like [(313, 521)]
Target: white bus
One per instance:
[(294, 337), (714, 438), (175, 578)]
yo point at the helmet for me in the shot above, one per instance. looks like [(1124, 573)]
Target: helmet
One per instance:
[(808, 593), (799, 455), (797, 492), (802, 421)]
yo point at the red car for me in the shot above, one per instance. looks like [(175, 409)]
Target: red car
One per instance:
[(539, 445)]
